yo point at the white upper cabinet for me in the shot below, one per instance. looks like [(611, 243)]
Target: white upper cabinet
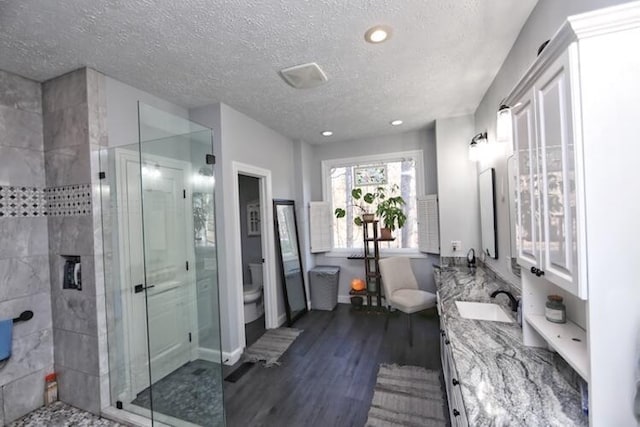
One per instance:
[(528, 226), (557, 176), (544, 117)]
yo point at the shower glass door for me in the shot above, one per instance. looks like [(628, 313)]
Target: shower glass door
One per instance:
[(180, 288), (161, 273)]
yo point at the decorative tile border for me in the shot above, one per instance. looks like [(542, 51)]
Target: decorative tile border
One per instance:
[(18, 201), (70, 200), (30, 202)]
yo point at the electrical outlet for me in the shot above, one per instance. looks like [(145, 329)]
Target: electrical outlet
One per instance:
[(456, 245)]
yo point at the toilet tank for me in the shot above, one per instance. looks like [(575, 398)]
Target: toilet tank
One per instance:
[(255, 268)]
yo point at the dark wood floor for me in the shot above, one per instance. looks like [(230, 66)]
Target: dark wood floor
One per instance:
[(327, 376)]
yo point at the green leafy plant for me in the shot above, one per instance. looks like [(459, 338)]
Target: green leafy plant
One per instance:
[(389, 209)]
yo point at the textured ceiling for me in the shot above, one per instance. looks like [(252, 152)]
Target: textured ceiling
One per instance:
[(439, 62)]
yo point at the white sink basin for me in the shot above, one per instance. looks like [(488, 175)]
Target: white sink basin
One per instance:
[(482, 311)]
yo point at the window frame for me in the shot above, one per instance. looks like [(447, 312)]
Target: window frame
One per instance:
[(416, 155)]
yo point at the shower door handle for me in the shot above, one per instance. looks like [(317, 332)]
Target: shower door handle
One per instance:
[(139, 288)]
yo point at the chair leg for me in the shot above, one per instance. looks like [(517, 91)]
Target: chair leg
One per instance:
[(410, 331)]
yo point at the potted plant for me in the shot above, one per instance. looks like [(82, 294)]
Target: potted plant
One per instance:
[(388, 209), (391, 214), (364, 203)]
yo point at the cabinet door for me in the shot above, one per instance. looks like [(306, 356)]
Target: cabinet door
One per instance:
[(557, 175), (528, 224)]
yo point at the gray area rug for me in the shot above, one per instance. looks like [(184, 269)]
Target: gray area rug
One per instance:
[(191, 393), (271, 346), (407, 396)]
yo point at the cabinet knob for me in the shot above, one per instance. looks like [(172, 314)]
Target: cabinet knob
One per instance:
[(455, 381), (447, 342), (539, 273), (533, 270), (456, 413)]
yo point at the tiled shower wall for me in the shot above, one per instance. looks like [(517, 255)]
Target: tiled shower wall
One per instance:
[(24, 261), (74, 112)]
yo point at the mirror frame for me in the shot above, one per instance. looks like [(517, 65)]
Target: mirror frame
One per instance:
[(284, 202), (490, 176)]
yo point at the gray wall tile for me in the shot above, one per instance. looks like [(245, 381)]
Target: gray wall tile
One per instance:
[(24, 395), (20, 129), (64, 91), (79, 389), (29, 354), (23, 276), (74, 311), (68, 166), (76, 351), (23, 237), (71, 235), (41, 308), (18, 92), (23, 167), (66, 127)]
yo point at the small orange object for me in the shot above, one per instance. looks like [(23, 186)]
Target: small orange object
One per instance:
[(358, 284)]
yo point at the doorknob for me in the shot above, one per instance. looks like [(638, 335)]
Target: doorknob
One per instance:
[(139, 288)]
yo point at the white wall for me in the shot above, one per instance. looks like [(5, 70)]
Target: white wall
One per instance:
[(542, 24), (457, 186), (239, 138), (122, 111), (415, 140)]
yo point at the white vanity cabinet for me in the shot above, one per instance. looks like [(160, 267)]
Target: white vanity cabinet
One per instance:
[(545, 116), (576, 117), (457, 412)]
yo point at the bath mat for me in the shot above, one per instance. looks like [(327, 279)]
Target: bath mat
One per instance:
[(407, 396), (271, 346)]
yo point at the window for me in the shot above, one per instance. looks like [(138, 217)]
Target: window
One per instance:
[(403, 170)]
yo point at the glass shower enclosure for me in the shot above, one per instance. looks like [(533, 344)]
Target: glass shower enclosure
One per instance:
[(161, 273)]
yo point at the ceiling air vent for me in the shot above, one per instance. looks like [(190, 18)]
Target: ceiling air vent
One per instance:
[(304, 76)]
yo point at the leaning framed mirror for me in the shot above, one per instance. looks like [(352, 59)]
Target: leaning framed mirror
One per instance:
[(288, 248)]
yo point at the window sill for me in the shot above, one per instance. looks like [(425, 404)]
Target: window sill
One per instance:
[(410, 253)]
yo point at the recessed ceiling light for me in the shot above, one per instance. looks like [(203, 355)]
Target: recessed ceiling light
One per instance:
[(327, 133), (396, 123), (377, 34)]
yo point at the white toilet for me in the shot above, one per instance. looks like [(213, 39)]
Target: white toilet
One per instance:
[(253, 301)]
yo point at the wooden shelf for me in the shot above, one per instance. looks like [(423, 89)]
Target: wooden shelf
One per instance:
[(568, 339)]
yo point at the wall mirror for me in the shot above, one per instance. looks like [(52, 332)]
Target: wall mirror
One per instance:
[(288, 247), (488, 223)]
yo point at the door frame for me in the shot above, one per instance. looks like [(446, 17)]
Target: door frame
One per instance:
[(126, 293), (268, 248)]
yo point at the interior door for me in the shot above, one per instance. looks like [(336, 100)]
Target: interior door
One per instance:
[(159, 320), (167, 287)]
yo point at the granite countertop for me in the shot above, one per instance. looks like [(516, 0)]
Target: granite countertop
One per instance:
[(503, 382)]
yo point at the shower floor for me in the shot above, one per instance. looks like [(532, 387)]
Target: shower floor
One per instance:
[(191, 393)]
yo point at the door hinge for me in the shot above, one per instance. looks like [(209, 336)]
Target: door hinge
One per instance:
[(102, 175), (210, 159), (184, 194), (186, 265), (189, 336)]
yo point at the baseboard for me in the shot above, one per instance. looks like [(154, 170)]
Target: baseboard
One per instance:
[(231, 358), (209, 355), (282, 319)]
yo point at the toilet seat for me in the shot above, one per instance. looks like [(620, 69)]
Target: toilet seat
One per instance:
[(252, 293)]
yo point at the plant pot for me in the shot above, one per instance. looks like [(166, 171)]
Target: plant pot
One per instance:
[(386, 234), (368, 217)]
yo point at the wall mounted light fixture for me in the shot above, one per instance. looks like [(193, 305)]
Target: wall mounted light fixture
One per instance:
[(477, 146), (503, 124)]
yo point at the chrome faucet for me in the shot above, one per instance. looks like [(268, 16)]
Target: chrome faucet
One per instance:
[(512, 299), (471, 260)]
